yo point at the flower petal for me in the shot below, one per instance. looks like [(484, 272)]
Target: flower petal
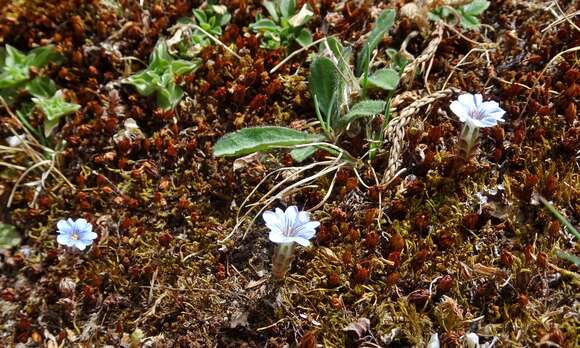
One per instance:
[(303, 217), (79, 244), (64, 227), (291, 214), (301, 241), (88, 236), (488, 122), (469, 100), (460, 110), (277, 237), (64, 239), (271, 218), (492, 109), (308, 230)]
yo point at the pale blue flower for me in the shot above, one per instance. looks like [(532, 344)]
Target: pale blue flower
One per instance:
[(290, 226), (78, 233), (472, 110)]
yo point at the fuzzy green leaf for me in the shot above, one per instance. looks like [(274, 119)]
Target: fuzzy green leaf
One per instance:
[(381, 27), (250, 140), (469, 22), (271, 8), (264, 24), (301, 17), (41, 56), (363, 109), (323, 83), (41, 87), (287, 8), (387, 79), (304, 37), (302, 153), (475, 8), (8, 236)]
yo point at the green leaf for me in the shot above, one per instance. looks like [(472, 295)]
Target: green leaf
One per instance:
[(264, 24), (363, 109), (302, 153), (144, 82), (54, 108), (301, 17), (41, 56), (160, 56), (469, 21), (324, 83), (41, 87), (271, 8), (387, 79), (8, 236), (287, 8), (250, 140), (169, 97), (180, 67), (560, 218), (14, 57), (304, 37), (200, 16), (569, 257), (381, 27), (475, 8)]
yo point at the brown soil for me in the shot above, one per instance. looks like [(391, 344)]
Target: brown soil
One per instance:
[(439, 262)]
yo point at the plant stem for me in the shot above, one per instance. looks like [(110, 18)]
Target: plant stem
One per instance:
[(468, 140), (282, 260)]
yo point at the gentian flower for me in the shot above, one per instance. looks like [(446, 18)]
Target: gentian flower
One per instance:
[(290, 226), (472, 110), (286, 229), (78, 233), (475, 114)]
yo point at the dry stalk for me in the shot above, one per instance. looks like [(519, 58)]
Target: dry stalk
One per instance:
[(408, 74), (395, 132)]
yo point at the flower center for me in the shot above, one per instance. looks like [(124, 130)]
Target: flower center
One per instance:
[(476, 114), (75, 236)]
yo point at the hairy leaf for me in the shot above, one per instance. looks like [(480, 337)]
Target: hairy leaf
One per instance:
[(323, 83), (363, 109), (381, 27), (302, 153), (41, 87), (475, 8), (250, 140), (387, 79)]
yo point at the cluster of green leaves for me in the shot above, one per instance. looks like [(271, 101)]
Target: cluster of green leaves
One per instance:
[(190, 40), (16, 71), (467, 14), (339, 93), (285, 25), (566, 256), (160, 75)]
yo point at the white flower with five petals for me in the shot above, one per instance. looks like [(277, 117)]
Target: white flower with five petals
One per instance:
[(472, 110), (290, 226), (75, 233)]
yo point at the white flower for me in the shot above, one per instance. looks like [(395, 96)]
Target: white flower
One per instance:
[(78, 233), (290, 226), (472, 110), (15, 140)]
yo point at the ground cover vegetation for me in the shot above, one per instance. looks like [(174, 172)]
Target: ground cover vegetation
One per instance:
[(289, 173)]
